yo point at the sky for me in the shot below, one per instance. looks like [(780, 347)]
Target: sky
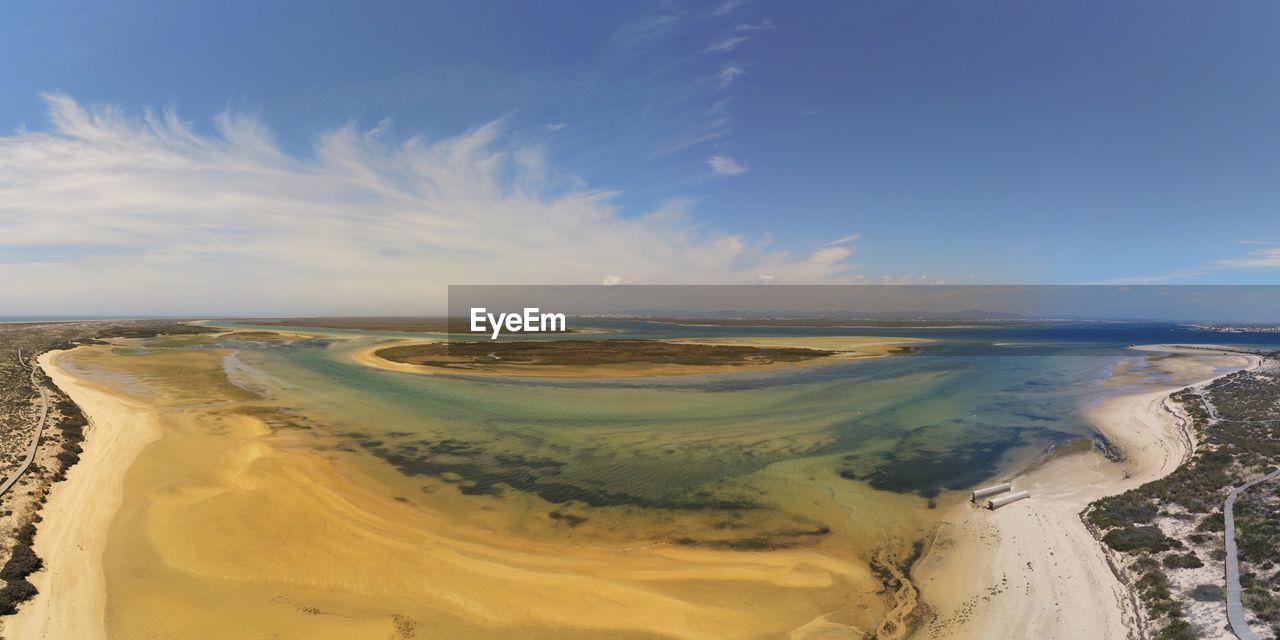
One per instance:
[(348, 158)]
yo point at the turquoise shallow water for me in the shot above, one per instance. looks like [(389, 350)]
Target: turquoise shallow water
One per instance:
[(976, 403)]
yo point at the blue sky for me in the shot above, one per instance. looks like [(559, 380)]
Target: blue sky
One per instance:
[(967, 142)]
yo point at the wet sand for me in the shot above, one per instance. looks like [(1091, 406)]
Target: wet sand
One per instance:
[(846, 348), (1032, 569), (191, 517)]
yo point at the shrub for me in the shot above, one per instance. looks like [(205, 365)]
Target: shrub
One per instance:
[(1207, 593), (23, 563), (1148, 538), (1122, 510), (1182, 561), (15, 593), (1177, 630)]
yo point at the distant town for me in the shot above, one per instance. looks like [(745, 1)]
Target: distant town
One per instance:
[(1237, 328)]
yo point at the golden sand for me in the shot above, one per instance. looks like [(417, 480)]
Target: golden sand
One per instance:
[(190, 517)]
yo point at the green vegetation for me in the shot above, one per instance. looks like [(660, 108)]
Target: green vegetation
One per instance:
[(151, 329), (1242, 443), (1148, 538), (21, 564), (1183, 561)]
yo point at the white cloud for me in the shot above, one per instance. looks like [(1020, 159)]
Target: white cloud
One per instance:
[(732, 245), (1261, 259), (107, 213), (763, 25), (830, 255), (727, 7), (552, 127), (854, 237), (727, 75), (727, 44), (726, 166)]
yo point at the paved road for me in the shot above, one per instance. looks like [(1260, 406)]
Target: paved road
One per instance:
[(35, 440), (1235, 609)]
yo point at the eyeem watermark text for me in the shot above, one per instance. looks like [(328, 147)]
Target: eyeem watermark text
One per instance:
[(532, 320)]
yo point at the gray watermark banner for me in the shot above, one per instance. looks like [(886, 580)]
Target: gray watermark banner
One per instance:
[(1115, 315), (882, 303)]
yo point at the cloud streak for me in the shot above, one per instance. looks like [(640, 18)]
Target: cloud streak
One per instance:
[(1261, 259), (1267, 259), (727, 7), (853, 237), (108, 213), (728, 74), (726, 166), (726, 45)]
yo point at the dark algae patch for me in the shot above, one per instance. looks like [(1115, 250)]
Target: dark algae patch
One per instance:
[(479, 472), (916, 464)]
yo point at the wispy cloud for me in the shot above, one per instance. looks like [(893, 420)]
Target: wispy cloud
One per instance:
[(726, 45), (726, 166), (552, 127), (689, 139), (763, 25), (853, 237), (647, 30), (727, 7), (1260, 259), (109, 213), (830, 255), (728, 74)]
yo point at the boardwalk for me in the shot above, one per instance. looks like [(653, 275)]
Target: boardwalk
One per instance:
[(1235, 609), (35, 439)]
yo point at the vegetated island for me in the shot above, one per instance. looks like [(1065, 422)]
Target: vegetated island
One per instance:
[(1168, 535), (624, 358)]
